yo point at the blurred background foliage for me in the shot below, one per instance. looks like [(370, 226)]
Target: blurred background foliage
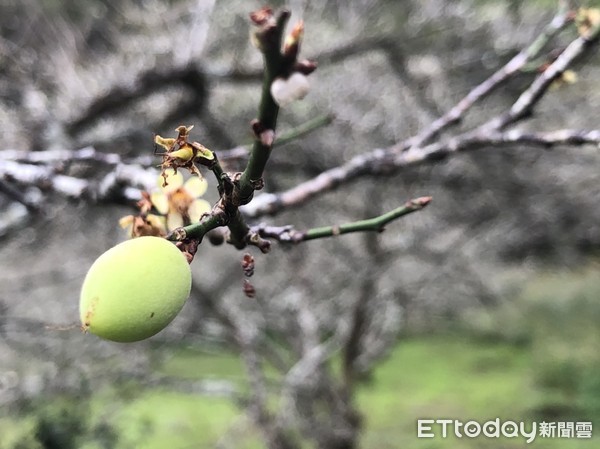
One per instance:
[(493, 293), (535, 357)]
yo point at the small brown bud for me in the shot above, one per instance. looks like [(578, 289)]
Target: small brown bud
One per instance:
[(262, 16), (257, 128), (420, 202), (291, 46), (306, 67), (258, 184), (249, 289), (267, 137), (248, 265)]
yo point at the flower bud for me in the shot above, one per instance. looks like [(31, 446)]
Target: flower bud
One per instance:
[(285, 91)]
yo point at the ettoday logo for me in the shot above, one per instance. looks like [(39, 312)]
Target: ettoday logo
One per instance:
[(430, 428)]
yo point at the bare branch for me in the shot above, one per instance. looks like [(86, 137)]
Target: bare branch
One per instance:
[(44, 177), (390, 160), (124, 182), (528, 99), (512, 67), (90, 155)]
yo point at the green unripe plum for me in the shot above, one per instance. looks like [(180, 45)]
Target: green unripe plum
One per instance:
[(134, 290)]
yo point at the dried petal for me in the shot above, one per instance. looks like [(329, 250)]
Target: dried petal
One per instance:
[(174, 179), (202, 151), (186, 153), (167, 143), (184, 131)]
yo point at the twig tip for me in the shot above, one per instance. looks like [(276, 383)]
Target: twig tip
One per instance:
[(421, 201)]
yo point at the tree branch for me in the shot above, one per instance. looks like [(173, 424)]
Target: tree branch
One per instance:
[(515, 65), (91, 155), (287, 234), (386, 162), (391, 159), (268, 110), (528, 99), (238, 189)]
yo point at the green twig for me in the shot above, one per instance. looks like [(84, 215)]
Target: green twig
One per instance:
[(305, 128), (239, 230), (301, 130), (218, 172), (197, 230), (287, 234), (268, 110), (376, 224), (242, 151)]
